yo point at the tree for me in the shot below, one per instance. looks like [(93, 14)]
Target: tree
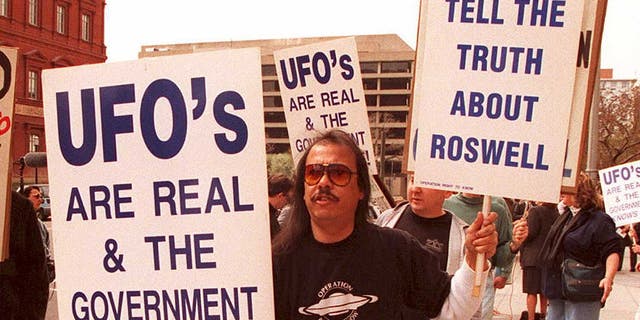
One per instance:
[(619, 127), (280, 163)]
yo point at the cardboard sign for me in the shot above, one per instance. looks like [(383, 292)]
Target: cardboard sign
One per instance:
[(321, 89), (157, 168), (492, 92), (621, 192), (8, 58), (586, 71)]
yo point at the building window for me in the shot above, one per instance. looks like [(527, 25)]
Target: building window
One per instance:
[(395, 83), (34, 142), (4, 8), (86, 27), (272, 101), (368, 67), (268, 70), (370, 84), (33, 12), (274, 117), (396, 67), (270, 86), (32, 87), (394, 100), (61, 19)]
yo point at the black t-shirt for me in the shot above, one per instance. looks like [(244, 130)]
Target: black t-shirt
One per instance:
[(433, 233), (373, 274)]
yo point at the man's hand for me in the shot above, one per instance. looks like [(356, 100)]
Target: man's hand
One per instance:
[(499, 282), (607, 285), (636, 248), (481, 238)]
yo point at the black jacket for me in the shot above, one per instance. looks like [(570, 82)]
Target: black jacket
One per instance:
[(24, 286)]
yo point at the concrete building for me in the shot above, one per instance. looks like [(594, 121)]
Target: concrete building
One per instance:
[(387, 67), (48, 34), (607, 82)]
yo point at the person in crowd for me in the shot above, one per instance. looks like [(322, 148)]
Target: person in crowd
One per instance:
[(329, 260), (34, 194), (279, 187), (534, 225), (626, 241), (582, 232), (24, 283), (440, 231), (465, 205)]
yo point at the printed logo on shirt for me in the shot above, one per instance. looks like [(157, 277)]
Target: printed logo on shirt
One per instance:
[(337, 302), (434, 246)]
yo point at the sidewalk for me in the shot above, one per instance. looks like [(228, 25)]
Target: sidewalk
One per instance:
[(622, 304)]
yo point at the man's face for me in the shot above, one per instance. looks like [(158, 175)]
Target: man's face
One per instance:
[(424, 200), (568, 199), (326, 201), (36, 198)]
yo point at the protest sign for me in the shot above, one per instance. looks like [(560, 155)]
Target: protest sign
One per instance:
[(491, 89), (586, 70), (321, 89), (8, 58), (621, 192), (158, 171)]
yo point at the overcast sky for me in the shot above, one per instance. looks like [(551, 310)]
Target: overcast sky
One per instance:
[(132, 24)]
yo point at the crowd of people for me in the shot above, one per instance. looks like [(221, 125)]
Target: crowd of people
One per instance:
[(417, 260), (327, 240)]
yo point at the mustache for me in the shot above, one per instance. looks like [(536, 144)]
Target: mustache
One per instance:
[(324, 192)]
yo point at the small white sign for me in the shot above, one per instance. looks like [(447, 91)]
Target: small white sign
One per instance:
[(621, 191), (321, 89)]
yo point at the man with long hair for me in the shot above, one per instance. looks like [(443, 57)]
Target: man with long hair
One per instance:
[(330, 262)]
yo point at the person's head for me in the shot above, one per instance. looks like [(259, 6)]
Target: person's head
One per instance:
[(33, 193), (426, 202), (331, 186), (587, 194), (279, 188)]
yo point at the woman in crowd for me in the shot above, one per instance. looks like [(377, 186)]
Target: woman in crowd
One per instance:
[(584, 233)]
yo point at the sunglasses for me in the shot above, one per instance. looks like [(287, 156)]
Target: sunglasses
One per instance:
[(338, 174)]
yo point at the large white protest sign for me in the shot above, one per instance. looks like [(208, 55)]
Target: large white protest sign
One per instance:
[(8, 57), (621, 192), (321, 89), (494, 96), (586, 71), (158, 171)]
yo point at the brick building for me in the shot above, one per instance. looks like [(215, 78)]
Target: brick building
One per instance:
[(48, 34)]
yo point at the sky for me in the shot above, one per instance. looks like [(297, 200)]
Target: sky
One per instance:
[(131, 24)]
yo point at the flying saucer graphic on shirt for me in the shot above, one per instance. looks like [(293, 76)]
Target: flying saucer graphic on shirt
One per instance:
[(336, 302)]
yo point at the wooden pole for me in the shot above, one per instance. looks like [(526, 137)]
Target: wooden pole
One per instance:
[(479, 279)]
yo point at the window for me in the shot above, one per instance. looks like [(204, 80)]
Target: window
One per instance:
[(270, 86), (61, 19), (268, 70), (86, 27), (33, 12), (4, 8), (274, 117), (394, 100), (272, 101), (396, 66), (395, 83), (34, 142), (371, 100), (368, 67), (32, 86), (370, 84), (276, 133)]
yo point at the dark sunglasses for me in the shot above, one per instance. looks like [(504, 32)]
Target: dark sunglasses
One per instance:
[(338, 174)]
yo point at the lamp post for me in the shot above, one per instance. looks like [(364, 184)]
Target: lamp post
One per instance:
[(36, 143)]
